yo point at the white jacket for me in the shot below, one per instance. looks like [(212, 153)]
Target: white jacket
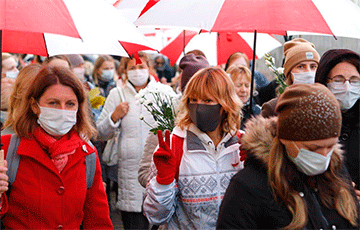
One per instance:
[(204, 174), (133, 133)]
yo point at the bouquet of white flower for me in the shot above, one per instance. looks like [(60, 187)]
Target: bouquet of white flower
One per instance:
[(159, 99), (279, 72)]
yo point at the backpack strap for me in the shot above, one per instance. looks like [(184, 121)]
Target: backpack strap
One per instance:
[(90, 161), (177, 146), (12, 158)]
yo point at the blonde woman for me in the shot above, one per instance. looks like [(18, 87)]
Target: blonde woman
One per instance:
[(241, 76), (193, 170), (26, 75), (294, 176)]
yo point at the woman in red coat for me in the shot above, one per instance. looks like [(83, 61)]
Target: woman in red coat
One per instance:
[(50, 190)]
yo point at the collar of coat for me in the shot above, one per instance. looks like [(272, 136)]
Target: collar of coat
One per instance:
[(195, 139)]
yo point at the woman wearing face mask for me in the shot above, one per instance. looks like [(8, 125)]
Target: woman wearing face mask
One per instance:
[(294, 176), (122, 112), (50, 189), (241, 76), (195, 164), (339, 70), (104, 73), (301, 62)]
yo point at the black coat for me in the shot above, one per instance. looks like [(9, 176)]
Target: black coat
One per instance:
[(350, 138), (249, 204)]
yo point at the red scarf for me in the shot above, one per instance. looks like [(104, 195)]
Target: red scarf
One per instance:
[(58, 150)]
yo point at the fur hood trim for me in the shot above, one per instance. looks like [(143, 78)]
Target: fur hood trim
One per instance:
[(259, 135)]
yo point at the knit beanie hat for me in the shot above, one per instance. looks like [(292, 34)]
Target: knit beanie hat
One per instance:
[(330, 59), (308, 112), (296, 51), (75, 59), (190, 64)]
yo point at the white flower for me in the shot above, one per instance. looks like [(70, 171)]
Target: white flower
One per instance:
[(268, 63), (272, 59), (280, 70)]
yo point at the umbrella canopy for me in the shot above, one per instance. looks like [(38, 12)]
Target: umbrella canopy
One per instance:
[(334, 17), (217, 47), (50, 27)]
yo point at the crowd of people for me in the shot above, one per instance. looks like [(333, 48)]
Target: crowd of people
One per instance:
[(73, 131)]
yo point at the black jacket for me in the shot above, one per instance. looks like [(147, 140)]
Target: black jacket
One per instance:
[(249, 202), (350, 138)]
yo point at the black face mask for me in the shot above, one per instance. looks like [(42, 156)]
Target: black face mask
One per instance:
[(206, 117)]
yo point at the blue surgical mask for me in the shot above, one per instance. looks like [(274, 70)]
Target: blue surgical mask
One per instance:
[(311, 163), (107, 75), (56, 122)]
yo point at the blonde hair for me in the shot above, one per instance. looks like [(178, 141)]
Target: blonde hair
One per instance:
[(25, 76), (125, 61), (237, 71), (332, 189), (5, 56), (99, 61), (25, 123), (212, 82)]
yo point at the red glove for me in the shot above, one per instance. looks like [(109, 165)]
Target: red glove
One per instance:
[(242, 151), (164, 160)]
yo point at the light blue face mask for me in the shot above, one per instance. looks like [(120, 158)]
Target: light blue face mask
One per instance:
[(311, 163), (107, 75)]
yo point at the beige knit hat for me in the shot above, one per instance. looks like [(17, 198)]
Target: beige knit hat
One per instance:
[(298, 50), (308, 112)]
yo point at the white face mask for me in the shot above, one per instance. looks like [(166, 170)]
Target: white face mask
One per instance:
[(304, 78), (12, 74), (80, 73), (138, 77), (346, 94), (107, 75), (56, 122), (311, 163)]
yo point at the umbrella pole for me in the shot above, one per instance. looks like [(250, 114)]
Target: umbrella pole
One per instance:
[(252, 74), (184, 42)]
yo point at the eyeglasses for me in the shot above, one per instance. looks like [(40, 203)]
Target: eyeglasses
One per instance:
[(159, 63), (340, 80)]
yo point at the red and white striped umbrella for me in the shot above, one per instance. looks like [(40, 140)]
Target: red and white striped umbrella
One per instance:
[(217, 47), (50, 27), (334, 17)]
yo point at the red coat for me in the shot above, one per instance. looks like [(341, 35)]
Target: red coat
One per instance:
[(41, 197)]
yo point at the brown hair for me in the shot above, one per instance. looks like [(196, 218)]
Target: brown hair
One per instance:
[(25, 76), (99, 61), (125, 60), (212, 81), (236, 56), (197, 53), (25, 122)]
